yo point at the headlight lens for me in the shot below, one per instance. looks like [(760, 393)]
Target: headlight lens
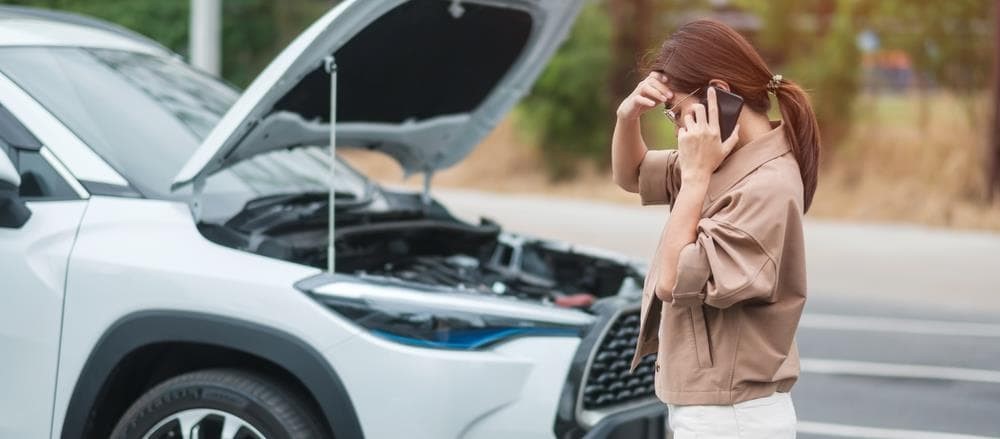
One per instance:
[(445, 319)]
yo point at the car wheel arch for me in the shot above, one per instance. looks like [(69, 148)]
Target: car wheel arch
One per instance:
[(146, 329)]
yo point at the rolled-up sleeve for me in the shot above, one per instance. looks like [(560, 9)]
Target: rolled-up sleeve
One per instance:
[(723, 266), (659, 177)]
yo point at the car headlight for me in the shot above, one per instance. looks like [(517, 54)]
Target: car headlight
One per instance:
[(439, 318)]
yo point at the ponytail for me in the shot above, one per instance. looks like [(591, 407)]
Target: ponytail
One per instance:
[(802, 133)]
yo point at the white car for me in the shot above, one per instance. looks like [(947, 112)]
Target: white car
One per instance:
[(166, 270)]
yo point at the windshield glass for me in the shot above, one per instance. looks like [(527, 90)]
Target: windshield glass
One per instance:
[(146, 115)]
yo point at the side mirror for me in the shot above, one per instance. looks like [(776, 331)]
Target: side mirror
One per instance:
[(13, 212)]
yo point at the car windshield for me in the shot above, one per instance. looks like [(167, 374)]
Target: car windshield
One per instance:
[(146, 115)]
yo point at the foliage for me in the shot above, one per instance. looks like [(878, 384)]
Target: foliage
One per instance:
[(947, 40), (818, 50), (254, 31), (568, 111), (831, 75), (164, 21)]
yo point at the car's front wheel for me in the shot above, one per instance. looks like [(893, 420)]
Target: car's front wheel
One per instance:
[(218, 403)]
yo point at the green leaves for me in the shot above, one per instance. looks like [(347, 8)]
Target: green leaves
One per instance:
[(253, 31), (568, 112)]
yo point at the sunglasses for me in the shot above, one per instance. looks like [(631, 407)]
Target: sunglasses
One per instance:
[(670, 113)]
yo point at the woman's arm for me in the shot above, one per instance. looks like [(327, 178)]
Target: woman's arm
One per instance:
[(627, 151), (700, 151), (627, 145), (681, 230)]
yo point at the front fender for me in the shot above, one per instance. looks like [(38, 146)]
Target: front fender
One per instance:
[(145, 328)]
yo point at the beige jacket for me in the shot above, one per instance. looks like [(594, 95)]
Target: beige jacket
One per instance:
[(728, 332)]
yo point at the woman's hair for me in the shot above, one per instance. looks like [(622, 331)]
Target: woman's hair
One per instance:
[(702, 50)]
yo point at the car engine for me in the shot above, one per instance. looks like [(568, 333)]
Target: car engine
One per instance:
[(425, 244)]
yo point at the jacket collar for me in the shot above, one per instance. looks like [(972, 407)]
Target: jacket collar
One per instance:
[(747, 158)]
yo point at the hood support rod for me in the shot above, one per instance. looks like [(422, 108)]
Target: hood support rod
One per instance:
[(330, 65)]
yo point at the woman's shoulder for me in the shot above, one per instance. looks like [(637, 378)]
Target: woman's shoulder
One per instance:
[(777, 180), (764, 199)]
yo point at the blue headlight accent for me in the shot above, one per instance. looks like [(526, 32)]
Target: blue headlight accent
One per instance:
[(468, 339), (448, 320)]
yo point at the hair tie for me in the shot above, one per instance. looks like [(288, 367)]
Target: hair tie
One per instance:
[(773, 84)]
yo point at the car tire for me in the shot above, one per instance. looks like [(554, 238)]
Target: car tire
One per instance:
[(253, 405)]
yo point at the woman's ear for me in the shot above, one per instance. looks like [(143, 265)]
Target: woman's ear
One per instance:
[(718, 83)]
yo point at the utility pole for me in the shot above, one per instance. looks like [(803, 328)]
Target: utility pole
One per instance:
[(993, 148), (204, 37)]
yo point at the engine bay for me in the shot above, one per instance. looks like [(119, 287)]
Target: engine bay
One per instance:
[(425, 244)]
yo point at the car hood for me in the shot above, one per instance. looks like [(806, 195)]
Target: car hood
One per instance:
[(422, 81)]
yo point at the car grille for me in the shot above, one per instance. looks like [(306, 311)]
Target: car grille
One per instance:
[(608, 381)]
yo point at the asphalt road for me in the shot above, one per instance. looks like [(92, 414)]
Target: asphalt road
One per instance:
[(901, 332)]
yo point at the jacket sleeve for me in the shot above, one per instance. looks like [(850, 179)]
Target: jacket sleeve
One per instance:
[(723, 266), (659, 177)]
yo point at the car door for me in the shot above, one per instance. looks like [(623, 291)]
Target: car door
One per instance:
[(34, 258)]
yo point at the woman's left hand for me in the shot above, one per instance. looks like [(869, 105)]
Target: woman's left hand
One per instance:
[(700, 148)]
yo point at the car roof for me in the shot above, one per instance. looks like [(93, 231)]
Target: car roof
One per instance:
[(26, 26)]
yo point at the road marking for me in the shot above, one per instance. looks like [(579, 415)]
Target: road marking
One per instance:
[(891, 324), (864, 368), (855, 431)]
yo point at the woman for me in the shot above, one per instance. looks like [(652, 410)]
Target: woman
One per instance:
[(727, 284)]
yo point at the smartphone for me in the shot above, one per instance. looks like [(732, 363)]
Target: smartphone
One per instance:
[(730, 105)]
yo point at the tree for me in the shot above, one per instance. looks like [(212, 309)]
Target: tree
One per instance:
[(813, 43), (568, 110), (253, 32), (631, 29), (948, 42)]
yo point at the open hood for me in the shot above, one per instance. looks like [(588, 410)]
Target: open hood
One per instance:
[(421, 80)]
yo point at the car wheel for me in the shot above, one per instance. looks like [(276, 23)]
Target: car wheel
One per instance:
[(218, 403)]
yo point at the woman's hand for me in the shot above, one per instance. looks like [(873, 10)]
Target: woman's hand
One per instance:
[(650, 92), (627, 146), (700, 149)]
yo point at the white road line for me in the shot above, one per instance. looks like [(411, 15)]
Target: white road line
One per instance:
[(864, 368), (891, 324), (854, 431)]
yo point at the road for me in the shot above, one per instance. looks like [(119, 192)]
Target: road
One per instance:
[(901, 332)]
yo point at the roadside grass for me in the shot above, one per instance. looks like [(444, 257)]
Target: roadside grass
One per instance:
[(909, 158), (898, 165)]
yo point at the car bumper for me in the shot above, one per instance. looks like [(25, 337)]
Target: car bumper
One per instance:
[(645, 422), (526, 387), (510, 390)]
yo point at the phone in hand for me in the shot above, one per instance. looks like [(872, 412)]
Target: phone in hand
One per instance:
[(730, 105)]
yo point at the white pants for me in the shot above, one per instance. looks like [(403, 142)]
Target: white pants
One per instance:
[(770, 417)]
